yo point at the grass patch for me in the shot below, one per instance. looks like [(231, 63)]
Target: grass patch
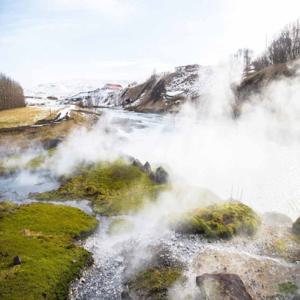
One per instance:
[(42, 235), (23, 116), (287, 288), (113, 188), (222, 220), (154, 283)]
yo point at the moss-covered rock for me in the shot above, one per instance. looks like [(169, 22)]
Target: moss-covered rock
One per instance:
[(156, 277), (42, 236), (113, 188), (296, 227), (154, 282), (222, 220)]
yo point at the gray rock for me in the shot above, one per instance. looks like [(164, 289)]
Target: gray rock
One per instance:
[(17, 261), (52, 143), (137, 163), (125, 294), (147, 168), (296, 227), (161, 176), (222, 286)]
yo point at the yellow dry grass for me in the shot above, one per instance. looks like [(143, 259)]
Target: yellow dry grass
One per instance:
[(24, 116)]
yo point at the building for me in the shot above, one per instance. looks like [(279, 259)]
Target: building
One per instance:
[(113, 86)]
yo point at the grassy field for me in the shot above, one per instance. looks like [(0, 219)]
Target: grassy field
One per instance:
[(11, 120), (43, 236), (24, 116)]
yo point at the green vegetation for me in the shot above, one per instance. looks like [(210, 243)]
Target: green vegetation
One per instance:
[(222, 220), (154, 283), (113, 188), (42, 236), (287, 288)]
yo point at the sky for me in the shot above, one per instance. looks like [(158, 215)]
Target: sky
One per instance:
[(45, 41)]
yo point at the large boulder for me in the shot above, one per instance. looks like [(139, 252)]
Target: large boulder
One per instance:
[(222, 286), (261, 275)]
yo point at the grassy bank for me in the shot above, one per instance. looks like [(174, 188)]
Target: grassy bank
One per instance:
[(113, 188), (42, 236)]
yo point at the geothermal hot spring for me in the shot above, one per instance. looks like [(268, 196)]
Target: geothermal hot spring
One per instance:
[(208, 155)]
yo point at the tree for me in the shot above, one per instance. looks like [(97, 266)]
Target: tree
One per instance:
[(11, 93), (284, 48)]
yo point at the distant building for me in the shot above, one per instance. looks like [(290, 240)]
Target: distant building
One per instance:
[(113, 86)]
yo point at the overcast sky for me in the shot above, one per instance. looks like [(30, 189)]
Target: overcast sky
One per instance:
[(53, 40)]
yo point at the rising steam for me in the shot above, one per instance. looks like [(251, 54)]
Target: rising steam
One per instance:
[(255, 158)]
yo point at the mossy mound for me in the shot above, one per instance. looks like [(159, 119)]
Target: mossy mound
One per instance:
[(222, 220), (113, 188), (42, 236), (154, 282)]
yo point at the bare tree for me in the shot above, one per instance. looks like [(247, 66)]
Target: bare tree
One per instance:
[(284, 48), (11, 93)]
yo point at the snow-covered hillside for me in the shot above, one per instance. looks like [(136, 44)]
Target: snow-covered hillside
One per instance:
[(166, 91), (108, 96), (57, 92), (161, 92)]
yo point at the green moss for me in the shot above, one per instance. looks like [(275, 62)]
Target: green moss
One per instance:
[(42, 235), (221, 220), (287, 288), (113, 188), (154, 283)]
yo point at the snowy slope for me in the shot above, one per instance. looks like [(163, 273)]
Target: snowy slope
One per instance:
[(164, 92), (100, 97), (66, 89)]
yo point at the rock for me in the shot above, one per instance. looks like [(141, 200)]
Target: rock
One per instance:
[(125, 294), (137, 163), (161, 176), (52, 143), (147, 168), (296, 227), (17, 261), (222, 286), (222, 220), (261, 275)]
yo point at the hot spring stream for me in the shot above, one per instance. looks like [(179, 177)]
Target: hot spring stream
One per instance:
[(119, 254)]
